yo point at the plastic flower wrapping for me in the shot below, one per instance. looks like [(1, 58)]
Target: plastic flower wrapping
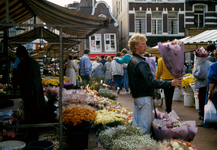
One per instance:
[(152, 65), (201, 52), (173, 127), (173, 57), (74, 97), (76, 114), (125, 137)]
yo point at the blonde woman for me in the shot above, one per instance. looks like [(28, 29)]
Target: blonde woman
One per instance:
[(107, 70)]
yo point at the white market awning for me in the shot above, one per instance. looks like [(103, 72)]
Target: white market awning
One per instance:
[(206, 36)]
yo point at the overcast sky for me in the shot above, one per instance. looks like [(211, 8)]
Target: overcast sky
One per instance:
[(65, 2)]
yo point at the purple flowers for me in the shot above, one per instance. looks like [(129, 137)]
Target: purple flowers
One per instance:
[(68, 85)]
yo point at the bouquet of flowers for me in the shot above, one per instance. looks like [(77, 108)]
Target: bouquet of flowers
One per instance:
[(124, 137), (175, 144), (186, 81), (104, 117), (107, 93), (200, 56), (173, 57), (173, 127), (68, 85), (78, 115), (74, 97), (201, 52)]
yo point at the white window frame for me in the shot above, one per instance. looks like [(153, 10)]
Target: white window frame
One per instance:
[(172, 19), (200, 14), (93, 48), (140, 24), (156, 24), (106, 36)]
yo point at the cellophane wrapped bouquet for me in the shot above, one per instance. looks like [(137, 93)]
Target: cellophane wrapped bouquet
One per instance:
[(173, 57), (186, 81), (171, 126), (200, 56), (74, 97)]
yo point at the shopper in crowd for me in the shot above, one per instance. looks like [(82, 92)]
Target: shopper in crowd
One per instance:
[(86, 66), (107, 70), (112, 57), (28, 77), (118, 72), (142, 83), (163, 72), (200, 72), (210, 48), (125, 59), (103, 61), (212, 80), (71, 70), (16, 62), (95, 63), (98, 71)]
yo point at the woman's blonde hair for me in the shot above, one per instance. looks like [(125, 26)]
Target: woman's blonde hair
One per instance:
[(135, 40), (97, 59), (109, 59)]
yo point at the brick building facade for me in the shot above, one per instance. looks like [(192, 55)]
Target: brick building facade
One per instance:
[(104, 41), (162, 20)]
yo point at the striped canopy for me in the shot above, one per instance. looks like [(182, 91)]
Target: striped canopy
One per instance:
[(76, 23), (206, 36)]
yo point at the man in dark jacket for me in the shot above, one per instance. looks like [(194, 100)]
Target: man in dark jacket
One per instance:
[(103, 61), (142, 83), (210, 48), (28, 77)]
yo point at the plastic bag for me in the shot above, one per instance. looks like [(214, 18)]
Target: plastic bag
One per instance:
[(210, 113)]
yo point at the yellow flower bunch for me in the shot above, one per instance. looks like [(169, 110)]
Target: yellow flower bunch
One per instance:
[(54, 82), (55, 74), (104, 117), (76, 114), (78, 77), (187, 80), (64, 80)]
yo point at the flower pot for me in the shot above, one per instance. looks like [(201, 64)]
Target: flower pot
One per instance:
[(188, 98), (78, 139), (13, 145), (48, 145)]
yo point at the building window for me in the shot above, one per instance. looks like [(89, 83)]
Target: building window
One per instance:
[(199, 16), (140, 25), (156, 0), (156, 22), (95, 43), (110, 42), (172, 23)]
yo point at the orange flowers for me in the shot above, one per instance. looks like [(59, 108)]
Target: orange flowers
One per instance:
[(76, 114)]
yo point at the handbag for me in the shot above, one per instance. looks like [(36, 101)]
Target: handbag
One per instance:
[(213, 94)]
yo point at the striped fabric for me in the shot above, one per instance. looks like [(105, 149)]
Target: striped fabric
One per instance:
[(206, 36)]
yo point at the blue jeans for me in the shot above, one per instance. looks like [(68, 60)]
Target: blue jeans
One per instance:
[(118, 80), (110, 83), (86, 78), (126, 80)]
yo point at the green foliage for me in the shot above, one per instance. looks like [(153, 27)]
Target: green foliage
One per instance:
[(108, 93)]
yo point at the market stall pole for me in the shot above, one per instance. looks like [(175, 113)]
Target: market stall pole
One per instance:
[(61, 88)]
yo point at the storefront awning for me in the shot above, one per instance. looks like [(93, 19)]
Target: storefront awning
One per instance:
[(42, 33), (206, 36), (78, 24)]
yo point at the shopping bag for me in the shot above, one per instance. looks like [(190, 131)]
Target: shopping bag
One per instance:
[(210, 113)]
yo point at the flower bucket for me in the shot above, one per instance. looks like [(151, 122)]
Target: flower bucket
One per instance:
[(78, 139), (12, 145), (177, 94), (188, 98), (34, 148), (196, 102), (48, 145)]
